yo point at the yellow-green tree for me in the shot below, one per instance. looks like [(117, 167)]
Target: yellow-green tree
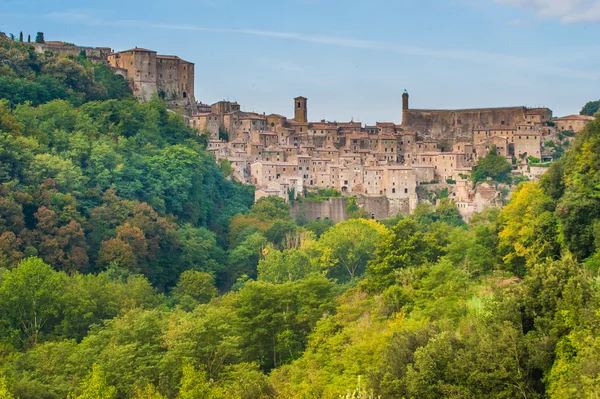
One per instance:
[(4, 393), (95, 386), (351, 245), (528, 228)]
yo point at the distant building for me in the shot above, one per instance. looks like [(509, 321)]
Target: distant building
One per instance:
[(573, 123), (168, 76)]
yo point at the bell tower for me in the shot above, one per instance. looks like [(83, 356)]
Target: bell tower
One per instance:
[(404, 105), (300, 110)]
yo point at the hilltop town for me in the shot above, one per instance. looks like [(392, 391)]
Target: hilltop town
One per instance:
[(388, 168)]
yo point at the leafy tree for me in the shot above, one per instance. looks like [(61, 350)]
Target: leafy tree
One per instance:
[(275, 320), (350, 245), (206, 337), (39, 37), (194, 288), (4, 393), (30, 299), (408, 246), (528, 228), (279, 267), (319, 227), (244, 259), (149, 392), (95, 386), (193, 384), (493, 166), (591, 108)]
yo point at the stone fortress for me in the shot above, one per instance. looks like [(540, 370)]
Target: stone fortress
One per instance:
[(149, 73), (387, 167)]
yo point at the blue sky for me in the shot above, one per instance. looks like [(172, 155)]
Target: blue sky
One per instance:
[(352, 59)]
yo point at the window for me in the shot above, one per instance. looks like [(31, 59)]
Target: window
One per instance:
[(406, 191), (393, 190)]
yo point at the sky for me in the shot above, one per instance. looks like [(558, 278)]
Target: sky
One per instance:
[(351, 59)]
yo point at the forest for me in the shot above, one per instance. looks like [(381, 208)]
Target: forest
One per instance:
[(132, 266)]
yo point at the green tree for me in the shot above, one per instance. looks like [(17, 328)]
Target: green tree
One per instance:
[(244, 259), (274, 320), (149, 392), (194, 288), (493, 166), (408, 246), (284, 266), (193, 384), (4, 392), (350, 245), (207, 337), (39, 37), (30, 299), (591, 108), (95, 386)]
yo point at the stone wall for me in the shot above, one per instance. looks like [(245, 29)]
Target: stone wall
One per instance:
[(378, 208), (451, 126), (94, 54), (333, 208)]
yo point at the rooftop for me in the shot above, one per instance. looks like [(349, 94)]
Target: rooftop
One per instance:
[(575, 118)]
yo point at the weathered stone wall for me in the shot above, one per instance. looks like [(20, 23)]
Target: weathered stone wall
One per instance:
[(451, 126), (376, 207), (333, 208), (94, 54)]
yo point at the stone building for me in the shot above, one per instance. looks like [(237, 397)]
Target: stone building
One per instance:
[(450, 126), (168, 76), (572, 123)]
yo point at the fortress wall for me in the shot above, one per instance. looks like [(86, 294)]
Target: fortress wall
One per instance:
[(168, 82), (94, 54), (457, 125), (333, 208)]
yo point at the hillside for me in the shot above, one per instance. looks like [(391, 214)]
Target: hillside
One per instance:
[(131, 267)]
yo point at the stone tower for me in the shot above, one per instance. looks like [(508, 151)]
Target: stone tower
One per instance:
[(300, 110), (405, 100), (404, 105)]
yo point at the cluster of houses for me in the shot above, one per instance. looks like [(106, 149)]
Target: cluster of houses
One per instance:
[(283, 157)]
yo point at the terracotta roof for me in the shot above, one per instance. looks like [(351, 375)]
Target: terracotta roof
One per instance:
[(139, 50), (536, 111), (575, 118), (171, 57), (497, 127)]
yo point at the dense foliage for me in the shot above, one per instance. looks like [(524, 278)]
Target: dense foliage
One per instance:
[(494, 167), (591, 108), (27, 76), (130, 267)]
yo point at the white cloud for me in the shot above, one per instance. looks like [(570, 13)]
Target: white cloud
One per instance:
[(473, 56), (566, 10)]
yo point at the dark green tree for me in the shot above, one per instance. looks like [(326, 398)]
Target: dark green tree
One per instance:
[(591, 108), (492, 166)]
